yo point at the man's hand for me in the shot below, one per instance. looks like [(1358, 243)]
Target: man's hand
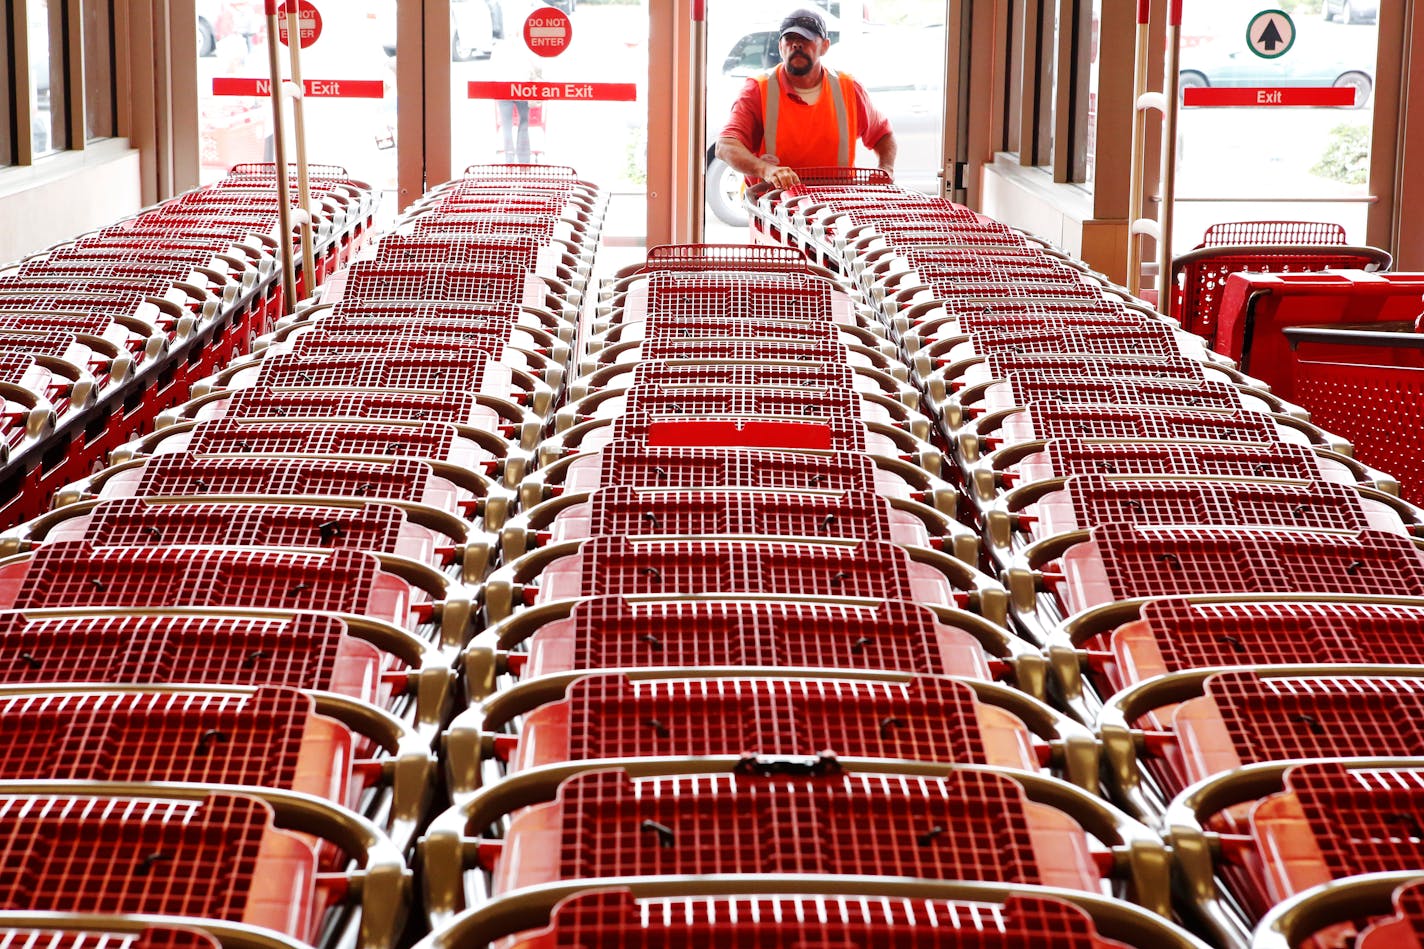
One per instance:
[(780, 176), (737, 155)]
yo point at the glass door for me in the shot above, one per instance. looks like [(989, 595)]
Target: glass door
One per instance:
[(895, 48), (1277, 114), (349, 73), (556, 83)]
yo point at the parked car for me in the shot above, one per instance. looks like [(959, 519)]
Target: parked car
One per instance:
[(218, 19), (474, 26), (902, 68), (1350, 11), (1298, 68)]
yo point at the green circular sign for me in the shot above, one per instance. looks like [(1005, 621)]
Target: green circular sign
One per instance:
[(1270, 34)]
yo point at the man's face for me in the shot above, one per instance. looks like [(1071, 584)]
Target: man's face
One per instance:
[(800, 54)]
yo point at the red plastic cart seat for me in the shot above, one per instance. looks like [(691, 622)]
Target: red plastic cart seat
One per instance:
[(1002, 364), (1047, 421), (1403, 930), (613, 918), (488, 327), (710, 327), (371, 280), (1245, 717), (800, 401), (1089, 501), (74, 574), (486, 253), (1064, 457), (1013, 288), (457, 408), (537, 227), (1119, 341), (218, 858), (1023, 387), (945, 276), (636, 465), (1332, 822), (876, 569), (151, 937), (138, 522), (634, 512), (434, 441), (1105, 309), (271, 738), (1122, 561), (735, 258), (430, 365), (928, 719), (611, 632), (680, 296), (607, 825), (831, 433), (20, 370), (122, 333), (179, 475), (674, 373), (745, 349), (303, 651), (1176, 634)]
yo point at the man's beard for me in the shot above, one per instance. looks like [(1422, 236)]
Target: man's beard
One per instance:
[(799, 64)]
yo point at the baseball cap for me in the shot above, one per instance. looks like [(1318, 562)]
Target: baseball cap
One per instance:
[(806, 24)]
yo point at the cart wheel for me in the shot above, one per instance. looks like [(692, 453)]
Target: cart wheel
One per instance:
[(459, 52), (1191, 79), (1360, 83), (724, 193)]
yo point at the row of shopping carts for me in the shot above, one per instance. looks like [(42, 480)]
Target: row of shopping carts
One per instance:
[(99, 334), (230, 655), (1225, 596), (897, 581), (741, 676)]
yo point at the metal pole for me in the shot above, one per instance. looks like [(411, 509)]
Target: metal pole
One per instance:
[(1166, 286), (696, 118), (1139, 148), (299, 129), (279, 148)]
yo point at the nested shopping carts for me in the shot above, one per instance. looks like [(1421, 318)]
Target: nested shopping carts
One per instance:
[(895, 579), (230, 657), (1225, 595), (102, 333), (740, 652)]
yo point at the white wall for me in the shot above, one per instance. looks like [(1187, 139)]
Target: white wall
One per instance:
[(64, 195)]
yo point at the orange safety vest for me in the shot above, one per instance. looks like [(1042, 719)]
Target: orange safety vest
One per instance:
[(805, 136)]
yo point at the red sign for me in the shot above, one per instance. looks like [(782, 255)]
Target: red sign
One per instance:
[(308, 22), (1305, 95), (555, 91), (315, 88), (548, 31)]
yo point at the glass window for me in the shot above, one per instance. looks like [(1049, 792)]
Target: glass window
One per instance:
[(1299, 160), (605, 140), (7, 142), (48, 127), (1090, 131), (99, 120), (350, 74), (894, 48)]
